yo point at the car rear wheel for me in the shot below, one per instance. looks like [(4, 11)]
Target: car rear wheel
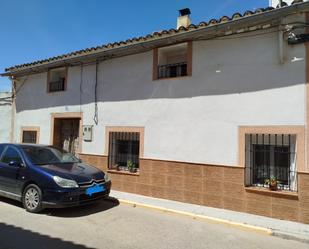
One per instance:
[(32, 198)]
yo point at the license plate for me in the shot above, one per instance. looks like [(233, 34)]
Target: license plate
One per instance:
[(95, 189)]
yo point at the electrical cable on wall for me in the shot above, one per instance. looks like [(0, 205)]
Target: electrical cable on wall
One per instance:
[(81, 86), (95, 118)]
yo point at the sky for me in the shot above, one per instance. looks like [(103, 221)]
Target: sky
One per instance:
[(37, 29)]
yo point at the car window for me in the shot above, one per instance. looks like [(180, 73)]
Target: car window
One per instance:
[(2, 147), (11, 154), (48, 155)]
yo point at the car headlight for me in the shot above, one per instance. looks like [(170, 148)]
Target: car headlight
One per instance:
[(106, 177), (65, 183)]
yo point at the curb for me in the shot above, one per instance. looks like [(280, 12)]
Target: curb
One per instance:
[(290, 237), (257, 229)]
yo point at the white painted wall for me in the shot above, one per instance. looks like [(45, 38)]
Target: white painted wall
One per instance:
[(235, 82), (5, 116), (274, 3)]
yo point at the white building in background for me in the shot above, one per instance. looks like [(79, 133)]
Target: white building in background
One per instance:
[(204, 113), (5, 116), (274, 3)]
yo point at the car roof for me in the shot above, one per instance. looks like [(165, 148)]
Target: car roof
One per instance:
[(25, 144)]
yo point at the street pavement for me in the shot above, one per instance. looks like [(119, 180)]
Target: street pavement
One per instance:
[(108, 224)]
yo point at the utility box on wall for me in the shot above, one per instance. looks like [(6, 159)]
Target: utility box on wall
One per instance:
[(87, 133)]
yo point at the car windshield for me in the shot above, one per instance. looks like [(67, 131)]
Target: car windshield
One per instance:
[(48, 155)]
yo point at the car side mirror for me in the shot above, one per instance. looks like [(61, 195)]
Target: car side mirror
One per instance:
[(15, 164)]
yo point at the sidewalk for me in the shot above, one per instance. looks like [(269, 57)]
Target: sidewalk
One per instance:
[(275, 227)]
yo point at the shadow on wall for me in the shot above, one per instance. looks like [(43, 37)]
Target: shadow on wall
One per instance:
[(218, 69), (188, 87), (15, 238)]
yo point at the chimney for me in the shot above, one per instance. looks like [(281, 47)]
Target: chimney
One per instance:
[(184, 18)]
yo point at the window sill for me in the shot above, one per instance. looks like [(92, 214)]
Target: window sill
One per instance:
[(55, 92), (277, 193), (173, 78), (122, 172)]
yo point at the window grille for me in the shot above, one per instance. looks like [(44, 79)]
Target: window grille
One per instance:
[(29, 137), (123, 150), (271, 155), (172, 70), (56, 86)]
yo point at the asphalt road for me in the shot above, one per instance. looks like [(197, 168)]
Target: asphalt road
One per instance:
[(110, 225)]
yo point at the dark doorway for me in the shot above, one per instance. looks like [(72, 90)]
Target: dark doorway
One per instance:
[(66, 134)]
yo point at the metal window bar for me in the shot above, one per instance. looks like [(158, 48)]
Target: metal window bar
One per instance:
[(56, 86), (172, 70), (29, 137), (270, 156), (123, 149)]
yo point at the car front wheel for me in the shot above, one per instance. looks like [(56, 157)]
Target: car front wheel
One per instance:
[(32, 198)]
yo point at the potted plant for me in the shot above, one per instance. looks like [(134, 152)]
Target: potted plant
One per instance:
[(272, 182), (131, 166)]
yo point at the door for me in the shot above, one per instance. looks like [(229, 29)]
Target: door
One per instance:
[(70, 135), (66, 134), (10, 178)]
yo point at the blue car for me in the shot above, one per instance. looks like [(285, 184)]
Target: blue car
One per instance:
[(43, 176)]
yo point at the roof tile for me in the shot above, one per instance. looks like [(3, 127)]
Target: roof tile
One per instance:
[(203, 24)]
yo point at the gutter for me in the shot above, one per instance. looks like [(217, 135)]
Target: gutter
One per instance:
[(271, 17)]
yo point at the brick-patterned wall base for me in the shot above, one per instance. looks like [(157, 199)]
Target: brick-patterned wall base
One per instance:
[(214, 186)]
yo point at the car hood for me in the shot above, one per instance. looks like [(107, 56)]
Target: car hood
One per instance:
[(80, 172)]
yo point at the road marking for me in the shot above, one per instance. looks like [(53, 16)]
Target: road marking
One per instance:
[(257, 229)]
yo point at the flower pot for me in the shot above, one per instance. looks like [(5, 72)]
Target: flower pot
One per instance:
[(133, 170), (273, 186)]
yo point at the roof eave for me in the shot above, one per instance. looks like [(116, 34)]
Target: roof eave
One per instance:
[(208, 32)]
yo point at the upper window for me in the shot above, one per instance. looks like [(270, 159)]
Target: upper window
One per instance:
[(271, 156), (124, 151), (57, 79), (173, 61)]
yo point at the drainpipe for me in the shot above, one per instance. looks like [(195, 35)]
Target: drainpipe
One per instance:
[(281, 47), (281, 43)]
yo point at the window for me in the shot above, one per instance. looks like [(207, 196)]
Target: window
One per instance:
[(10, 155), (124, 150), (30, 134), (271, 155), (173, 61), (2, 147), (57, 80), (43, 155)]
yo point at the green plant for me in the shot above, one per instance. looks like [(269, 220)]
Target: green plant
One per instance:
[(272, 182), (130, 165)]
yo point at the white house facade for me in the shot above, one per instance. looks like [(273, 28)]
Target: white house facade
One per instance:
[(5, 114), (203, 114)]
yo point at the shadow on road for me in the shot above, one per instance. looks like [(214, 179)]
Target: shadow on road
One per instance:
[(79, 211), (84, 210), (11, 202), (13, 237)]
